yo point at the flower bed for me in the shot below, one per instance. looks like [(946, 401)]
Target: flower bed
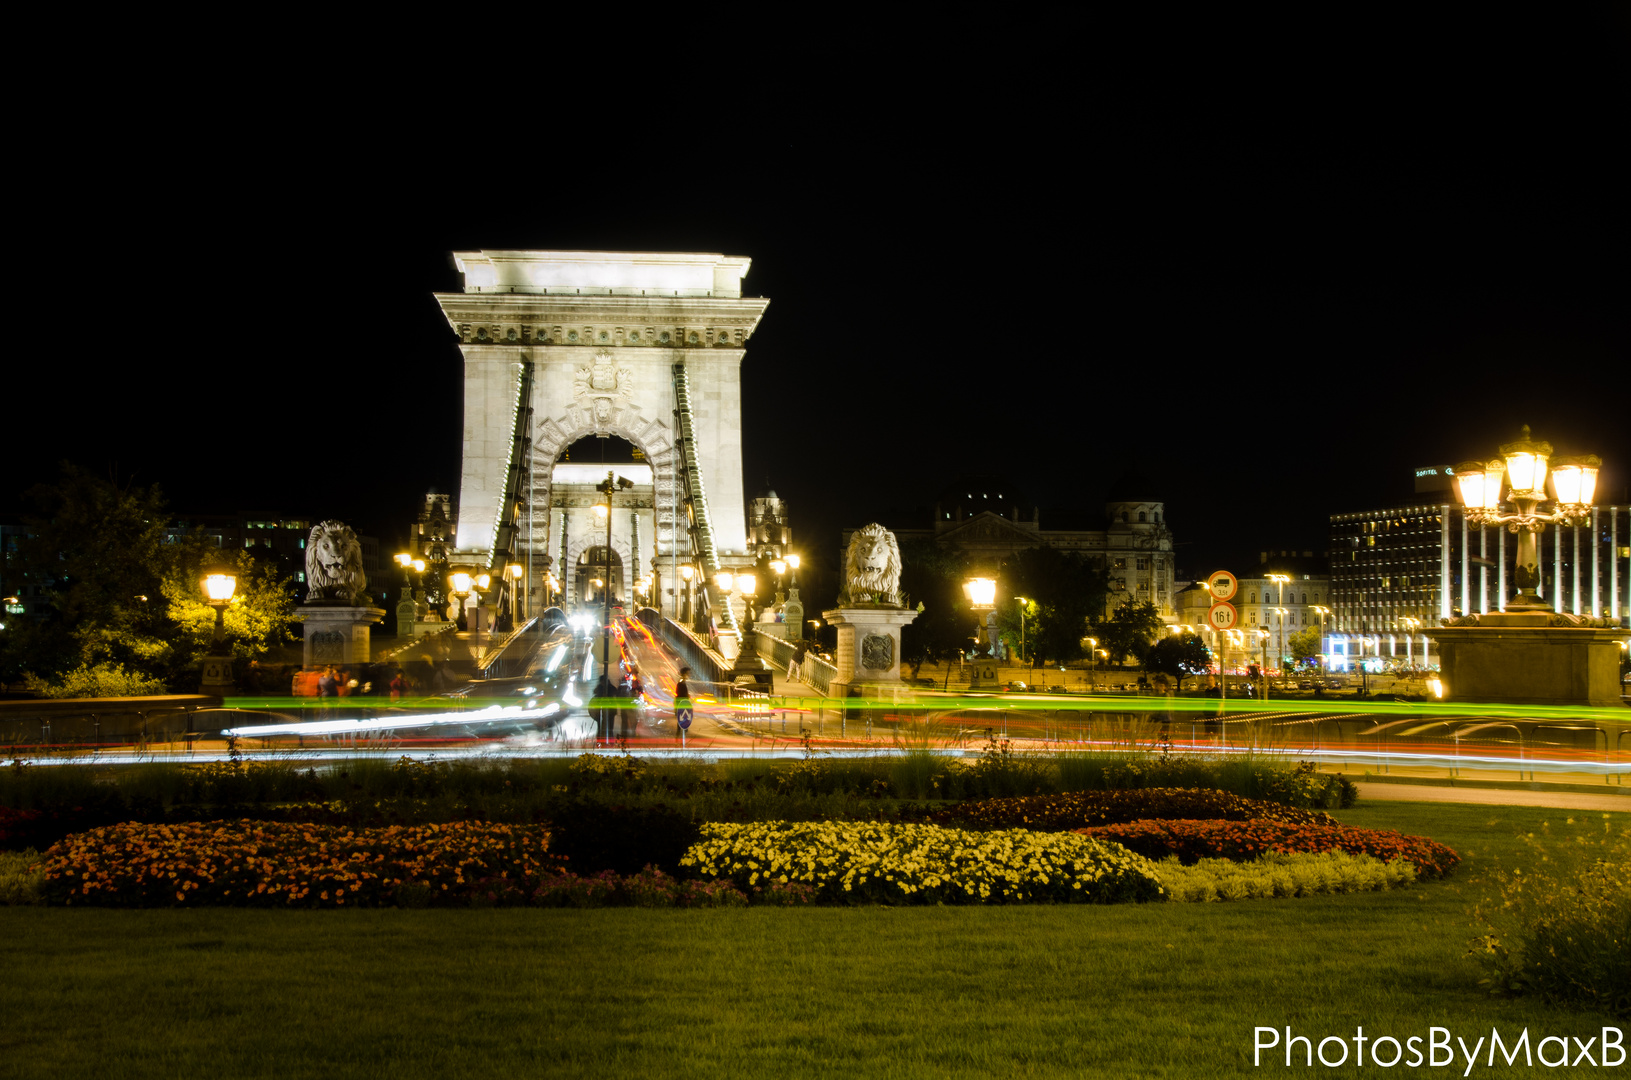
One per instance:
[(1277, 874), (922, 864), (272, 864), (1080, 809), (1242, 840)]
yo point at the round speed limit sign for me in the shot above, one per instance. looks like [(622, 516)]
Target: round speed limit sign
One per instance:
[(1222, 616), (1222, 585)]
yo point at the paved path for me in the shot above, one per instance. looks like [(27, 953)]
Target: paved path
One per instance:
[(1564, 800)]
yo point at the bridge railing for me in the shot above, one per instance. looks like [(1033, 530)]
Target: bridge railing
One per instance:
[(703, 661), (815, 671), (493, 662)]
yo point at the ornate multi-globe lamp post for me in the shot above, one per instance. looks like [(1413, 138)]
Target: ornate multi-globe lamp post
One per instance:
[(1522, 470), (1528, 653)]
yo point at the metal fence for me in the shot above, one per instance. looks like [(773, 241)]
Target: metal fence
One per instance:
[(814, 672)]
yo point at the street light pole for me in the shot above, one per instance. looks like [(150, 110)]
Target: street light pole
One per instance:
[(1022, 654)]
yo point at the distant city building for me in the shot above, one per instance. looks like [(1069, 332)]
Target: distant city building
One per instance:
[(1259, 600), (770, 535), (1135, 548), (431, 537)]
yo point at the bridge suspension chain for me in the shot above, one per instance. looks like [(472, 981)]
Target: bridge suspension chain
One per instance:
[(688, 468)]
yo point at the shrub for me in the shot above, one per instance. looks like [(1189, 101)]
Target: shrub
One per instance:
[(1079, 809), (596, 834), (266, 863), (1241, 840), (1560, 927), (1279, 874), (96, 680), (21, 882), (923, 864)]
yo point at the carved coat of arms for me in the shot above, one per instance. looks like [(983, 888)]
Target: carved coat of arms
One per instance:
[(877, 652), (602, 387)]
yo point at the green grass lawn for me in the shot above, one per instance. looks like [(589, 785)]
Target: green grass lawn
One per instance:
[(1156, 990)]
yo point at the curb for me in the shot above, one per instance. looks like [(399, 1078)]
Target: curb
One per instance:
[(1496, 785)]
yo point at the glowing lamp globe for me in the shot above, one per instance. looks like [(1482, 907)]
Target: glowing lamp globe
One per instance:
[(981, 592), (724, 580), (483, 581), (793, 561), (1526, 461), (1574, 479), (746, 584), (461, 583), (219, 584), (419, 566), (778, 566), (686, 572)]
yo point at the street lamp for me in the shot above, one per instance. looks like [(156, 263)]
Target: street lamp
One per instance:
[(219, 583), (1410, 626), (1280, 660), (687, 572), (1022, 603), (459, 585), (982, 597), (793, 564), (1322, 612), (1524, 464), (1092, 664)]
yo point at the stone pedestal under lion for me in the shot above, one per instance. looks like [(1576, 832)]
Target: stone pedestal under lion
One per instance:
[(337, 614), (869, 618)]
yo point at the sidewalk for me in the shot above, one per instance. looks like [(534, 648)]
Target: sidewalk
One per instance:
[(1566, 800)]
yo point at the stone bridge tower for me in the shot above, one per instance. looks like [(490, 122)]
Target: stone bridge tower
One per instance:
[(587, 341)]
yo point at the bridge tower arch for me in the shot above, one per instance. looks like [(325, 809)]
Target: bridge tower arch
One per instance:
[(558, 345)]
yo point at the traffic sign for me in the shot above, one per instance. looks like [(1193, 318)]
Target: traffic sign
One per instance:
[(683, 718), (1222, 615), (1222, 585)]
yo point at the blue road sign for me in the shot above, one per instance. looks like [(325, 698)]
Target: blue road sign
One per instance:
[(683, 718)]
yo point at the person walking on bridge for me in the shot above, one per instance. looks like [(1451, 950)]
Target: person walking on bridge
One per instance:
[(795, 665), (682, 692)]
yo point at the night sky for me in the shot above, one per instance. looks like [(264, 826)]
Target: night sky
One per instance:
[(1272, 287)]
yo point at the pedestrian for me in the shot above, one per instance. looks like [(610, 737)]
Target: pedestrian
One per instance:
[(327, 687), (396, 685), (796, 664), (682, 692)]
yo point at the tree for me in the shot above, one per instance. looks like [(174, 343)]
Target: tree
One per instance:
[(1129, 629), (933, 576), (260, 616), (122, 607), (1179, 655), (93, 547), (1063, 591), (1304, 645)]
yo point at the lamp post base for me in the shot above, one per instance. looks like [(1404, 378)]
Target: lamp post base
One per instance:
[(217, 678), (1523, 658)]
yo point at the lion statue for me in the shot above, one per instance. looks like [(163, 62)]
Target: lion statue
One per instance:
[(334, 564), (872, 567)]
